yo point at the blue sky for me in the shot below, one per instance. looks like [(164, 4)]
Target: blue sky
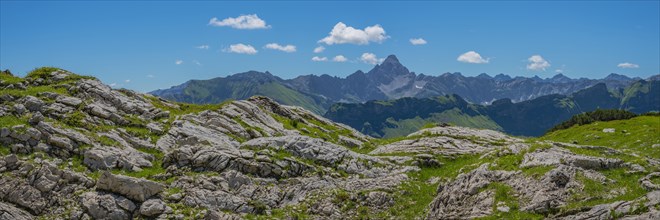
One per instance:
[(149, 45)]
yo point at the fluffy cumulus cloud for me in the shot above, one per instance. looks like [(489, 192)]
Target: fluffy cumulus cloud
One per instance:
[(319, 49), (471, 57), (241, 22), (343, 34), (288, 48), (127, 81), (339, 58), (203, 47), (370, 58), (178, 62), (627, 65), (417, 41), (536, 63), (241, 48), (319, 59)]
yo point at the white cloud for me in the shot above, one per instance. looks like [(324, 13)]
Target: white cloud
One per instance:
[(288, 48), (471, 57), (319, 59), (127, 81), (113, 84), (627, 65), (203, 47), (241, 48), (536, 62), (339, 58), (197, 63), (370, 58), (342, 34), (241, 22), (319, 49), (178, 62), (559, 71), (150, 76), (417, 41)]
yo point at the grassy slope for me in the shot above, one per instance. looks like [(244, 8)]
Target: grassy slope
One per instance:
[(289, 96), (636, 135), (453, 116)]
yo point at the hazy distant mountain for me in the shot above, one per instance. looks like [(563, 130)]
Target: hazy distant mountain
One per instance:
[(388, 80), (242, 86), (528, 118)]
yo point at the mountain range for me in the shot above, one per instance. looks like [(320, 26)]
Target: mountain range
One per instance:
[(388, 80), (527, 118)]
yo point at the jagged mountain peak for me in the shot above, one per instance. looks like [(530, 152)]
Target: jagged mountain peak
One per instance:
[(502, 77), (391, 59), (388, 70), (484, 76), (615, 76)]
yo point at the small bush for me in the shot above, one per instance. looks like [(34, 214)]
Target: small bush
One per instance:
[(42, 72), (591, 117)]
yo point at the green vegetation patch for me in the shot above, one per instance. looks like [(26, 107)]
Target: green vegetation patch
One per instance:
[(594, 116), (413, 197), (8, 121), (636, 135), (625, 187)]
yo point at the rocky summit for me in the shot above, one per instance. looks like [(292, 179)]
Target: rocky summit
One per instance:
[(74, 148)]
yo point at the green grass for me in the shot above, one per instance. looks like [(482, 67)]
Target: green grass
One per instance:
[(104, 140), (413, 197), (4, 150), (504, 194), (537, 171), (188, 212), (184, 108), (42, 72), (8, 121), (7, 79), (34, 90), (641, 134), (148, 172), (595, 192), (655, 180)]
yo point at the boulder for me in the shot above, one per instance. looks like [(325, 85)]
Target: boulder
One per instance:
[(68, 100), (107, 206), (137, 189), (10, 212), (32, 103), (153, 207), (106, 158)]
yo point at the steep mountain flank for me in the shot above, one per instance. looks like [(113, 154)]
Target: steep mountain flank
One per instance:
[(529, 118)]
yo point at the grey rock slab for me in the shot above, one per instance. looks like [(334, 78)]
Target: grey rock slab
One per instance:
[(133, 188), (107, 206), (68, 100), (11, 212), (556, 156), (46, 127), (32, 103), (106, 158)]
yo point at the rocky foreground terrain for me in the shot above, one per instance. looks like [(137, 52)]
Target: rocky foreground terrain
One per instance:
[(73, 148)]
